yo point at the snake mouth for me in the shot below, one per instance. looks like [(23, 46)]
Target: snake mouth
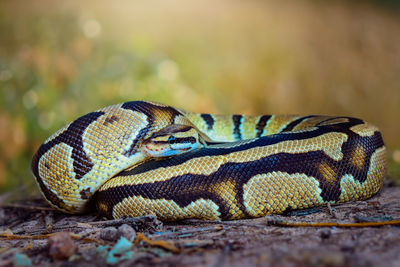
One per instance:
[(156, 151)]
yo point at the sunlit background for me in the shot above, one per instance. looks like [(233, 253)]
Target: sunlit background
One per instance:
[(62, 59)]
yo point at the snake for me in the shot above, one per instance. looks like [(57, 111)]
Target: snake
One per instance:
[(139, 158)]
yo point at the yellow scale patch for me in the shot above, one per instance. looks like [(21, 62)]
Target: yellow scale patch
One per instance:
[(249, 124), (226, 191), (353, 189), (358, 157), (196, 119), (328, 173), (223, 129), (274, 192), (365, 129), (166, 210)]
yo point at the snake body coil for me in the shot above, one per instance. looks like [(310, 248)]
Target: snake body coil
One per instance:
[(140, 157)]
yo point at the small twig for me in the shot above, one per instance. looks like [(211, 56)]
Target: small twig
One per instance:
[(68, 228), (185, 232), (23, 217), (278, 222), (74, 236), (27, 207), (159, 243), (252, 223), (359, 218), (328, 224), (131, 221), (48, 220), (194, 243)]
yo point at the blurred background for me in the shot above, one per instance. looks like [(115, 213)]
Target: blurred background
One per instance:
[(62, 59)]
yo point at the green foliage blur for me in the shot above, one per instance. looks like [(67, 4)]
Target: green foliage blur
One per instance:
[(62, 59)]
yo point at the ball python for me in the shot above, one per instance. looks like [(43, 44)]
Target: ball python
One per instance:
[(139, 158)]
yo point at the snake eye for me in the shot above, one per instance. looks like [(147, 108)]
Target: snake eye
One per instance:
[(171, 139)]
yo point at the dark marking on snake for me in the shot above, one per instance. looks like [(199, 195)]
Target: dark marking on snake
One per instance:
[(209, 120), (329, 119), (85, 193), (237, 122), (147, 109), (296, 122), (262, 122), (110, 120)]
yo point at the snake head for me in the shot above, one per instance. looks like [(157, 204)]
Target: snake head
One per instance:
[(173, 140)]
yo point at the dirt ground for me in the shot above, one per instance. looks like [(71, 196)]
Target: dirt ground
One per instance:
[(33, 234)]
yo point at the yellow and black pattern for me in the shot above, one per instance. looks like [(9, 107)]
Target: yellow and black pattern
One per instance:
[(251, 165)]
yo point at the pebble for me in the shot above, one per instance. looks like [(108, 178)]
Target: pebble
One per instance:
[(61, 246), (109, 234), (127, 231), (113, 234)]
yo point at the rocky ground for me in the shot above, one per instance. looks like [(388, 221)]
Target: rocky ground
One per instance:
[(33, 234)]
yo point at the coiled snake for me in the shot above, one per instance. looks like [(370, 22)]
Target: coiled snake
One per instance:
[(139, 157)]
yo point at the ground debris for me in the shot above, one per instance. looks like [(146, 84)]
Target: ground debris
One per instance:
[(142, 223), (113, 233), (109, 234), (61, 246), (32, 236)]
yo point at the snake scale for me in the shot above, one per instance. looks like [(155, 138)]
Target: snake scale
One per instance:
[(139, 158)]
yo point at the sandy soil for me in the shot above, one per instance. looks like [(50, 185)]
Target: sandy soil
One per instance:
[(52, 238)]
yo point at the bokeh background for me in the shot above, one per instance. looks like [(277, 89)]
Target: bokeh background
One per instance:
[(62, 59)]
